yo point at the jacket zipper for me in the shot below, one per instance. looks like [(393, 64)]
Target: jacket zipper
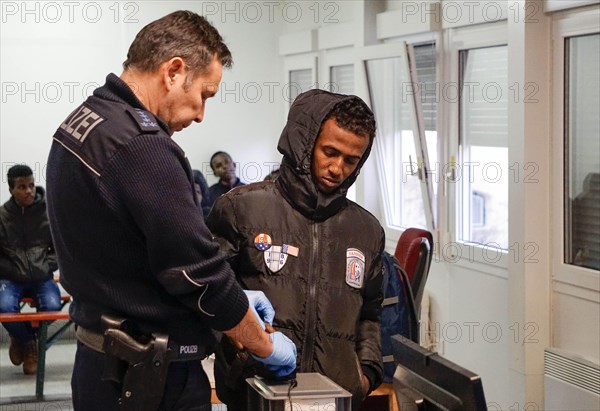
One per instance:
[(311, 303), (25, 244)]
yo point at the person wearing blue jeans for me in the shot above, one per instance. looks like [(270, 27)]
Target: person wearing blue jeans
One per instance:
[(27, 262)]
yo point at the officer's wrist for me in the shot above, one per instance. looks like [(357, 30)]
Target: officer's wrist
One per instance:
[(265, 348)]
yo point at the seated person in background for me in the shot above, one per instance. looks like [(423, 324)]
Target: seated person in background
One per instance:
[(27, 262), (314, 253), (201, 187), (224, 168)]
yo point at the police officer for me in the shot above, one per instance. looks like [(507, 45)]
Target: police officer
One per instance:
[(148, 282)]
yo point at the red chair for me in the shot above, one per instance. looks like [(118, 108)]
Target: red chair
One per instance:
[(414, 252)]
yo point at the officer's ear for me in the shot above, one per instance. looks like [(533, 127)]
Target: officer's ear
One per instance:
[(172, 71)]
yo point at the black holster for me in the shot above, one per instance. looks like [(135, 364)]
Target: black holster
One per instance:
[(140, 364)]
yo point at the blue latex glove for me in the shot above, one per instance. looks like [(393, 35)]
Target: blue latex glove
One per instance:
[(282, 360), (260, 304)]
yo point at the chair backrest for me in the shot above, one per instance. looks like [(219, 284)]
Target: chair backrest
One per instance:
[(414, 252)]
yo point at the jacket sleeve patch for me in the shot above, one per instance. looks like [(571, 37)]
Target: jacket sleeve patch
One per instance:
[(355, 267)]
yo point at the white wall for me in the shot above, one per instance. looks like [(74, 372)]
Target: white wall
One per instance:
[(54, 54)]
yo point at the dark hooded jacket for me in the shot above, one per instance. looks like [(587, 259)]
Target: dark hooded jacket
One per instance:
[(26, 251), (305, 266)]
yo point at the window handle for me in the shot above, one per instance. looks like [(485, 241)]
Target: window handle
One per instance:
[(412, 171)]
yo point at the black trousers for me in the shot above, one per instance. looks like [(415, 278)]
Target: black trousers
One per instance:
[(187, 387)]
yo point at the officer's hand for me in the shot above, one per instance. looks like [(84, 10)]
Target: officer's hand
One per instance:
[(261, 306), (282, 360)]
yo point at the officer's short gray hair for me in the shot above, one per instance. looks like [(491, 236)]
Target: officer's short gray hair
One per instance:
[(182, 34)]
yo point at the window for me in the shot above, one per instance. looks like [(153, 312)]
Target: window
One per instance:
[(299, 82), (425, 63), (582, 151), (483, 146), (341, 79), (402, 154)]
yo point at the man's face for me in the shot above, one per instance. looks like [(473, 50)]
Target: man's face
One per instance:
[(23, 191), (336, 154), (223, 167), (185, 103)]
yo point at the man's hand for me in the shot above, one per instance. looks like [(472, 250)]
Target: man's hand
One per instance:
[(274, 350), (282, 360), (261, 306)]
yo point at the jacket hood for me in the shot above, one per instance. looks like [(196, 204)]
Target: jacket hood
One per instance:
[(40, 196), (297, 143)]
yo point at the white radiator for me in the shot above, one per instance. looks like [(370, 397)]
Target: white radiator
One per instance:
[(570, 382)]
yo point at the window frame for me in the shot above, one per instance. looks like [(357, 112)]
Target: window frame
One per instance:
[(567, 24), (333, 58), (453, 249), (394, 48), (340, 57), (299, 62), (424, 169)]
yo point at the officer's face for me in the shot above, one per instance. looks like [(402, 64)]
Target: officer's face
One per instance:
[(185, 101), (24, 191), (336, 155)]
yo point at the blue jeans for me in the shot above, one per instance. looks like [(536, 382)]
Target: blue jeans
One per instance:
[(45, 293)]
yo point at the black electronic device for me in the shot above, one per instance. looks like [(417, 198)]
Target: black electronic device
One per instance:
[(425, 381), (272, 379)]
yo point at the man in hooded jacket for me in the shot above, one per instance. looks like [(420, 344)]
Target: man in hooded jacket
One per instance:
[(313, 252), (27, 261)]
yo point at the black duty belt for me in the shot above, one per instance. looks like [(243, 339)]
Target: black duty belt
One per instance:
[(176, 351), (139, 363)]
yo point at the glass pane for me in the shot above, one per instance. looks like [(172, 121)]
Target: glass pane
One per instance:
[(425, 59), (300, 81), (485, 184), (582, 105), (395, 144), (484, 147), (342, 79), (395, 140)]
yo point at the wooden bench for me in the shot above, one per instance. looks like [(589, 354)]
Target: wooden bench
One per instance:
[(64, 299), (41, 320), (384, 397)]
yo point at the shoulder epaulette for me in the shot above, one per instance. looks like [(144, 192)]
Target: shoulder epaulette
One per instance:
[(144, 119)]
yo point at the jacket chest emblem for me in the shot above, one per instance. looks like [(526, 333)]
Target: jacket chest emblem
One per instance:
[(355, 267), (275, 258), (277, 255)]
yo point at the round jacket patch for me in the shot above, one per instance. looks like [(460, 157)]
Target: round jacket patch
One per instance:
[(262, 241)]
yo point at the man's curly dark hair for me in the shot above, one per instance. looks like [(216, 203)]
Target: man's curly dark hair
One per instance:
[(354, 115)]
